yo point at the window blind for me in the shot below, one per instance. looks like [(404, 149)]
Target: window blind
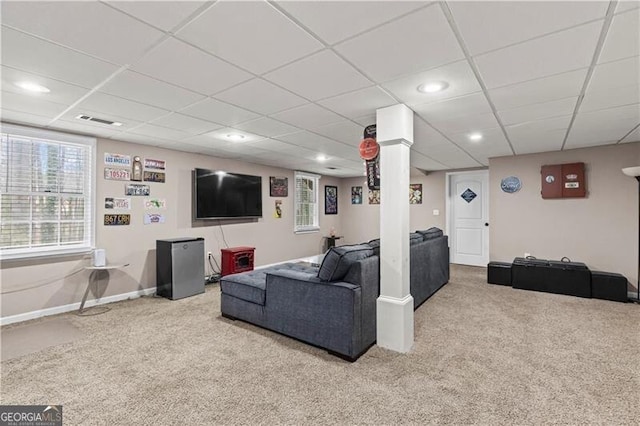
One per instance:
[(46, 194), (306, 202)]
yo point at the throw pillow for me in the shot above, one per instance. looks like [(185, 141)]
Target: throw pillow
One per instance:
[(338, 260)]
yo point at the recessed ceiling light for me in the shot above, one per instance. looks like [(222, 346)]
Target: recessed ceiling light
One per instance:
[(433, 86), (321, 158), (32, 87), (235, 137), (475, 137)]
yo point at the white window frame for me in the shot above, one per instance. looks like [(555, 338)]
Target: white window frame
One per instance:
[(303, 229), (90, 197)]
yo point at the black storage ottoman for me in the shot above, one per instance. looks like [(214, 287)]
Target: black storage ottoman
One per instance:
[(609, 286), (570, 278), (499, 273)]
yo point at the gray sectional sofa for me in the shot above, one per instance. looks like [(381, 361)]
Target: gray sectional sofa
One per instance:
[(332, 306)]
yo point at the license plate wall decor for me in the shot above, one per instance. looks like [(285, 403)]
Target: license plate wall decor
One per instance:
[(117, 203), (150, 218), (137, 190), (116, 174), (117, 219), (154, 164), (153, 176), (117, 160), (155, 203)]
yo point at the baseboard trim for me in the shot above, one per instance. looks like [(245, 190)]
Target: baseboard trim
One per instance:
[(75, 306)]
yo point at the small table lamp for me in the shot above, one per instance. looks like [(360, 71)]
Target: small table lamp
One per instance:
[(635, 172)]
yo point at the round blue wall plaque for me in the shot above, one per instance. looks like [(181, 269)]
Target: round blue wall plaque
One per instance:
[(511, 184)]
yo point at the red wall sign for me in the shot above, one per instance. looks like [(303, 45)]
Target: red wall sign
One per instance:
[(369, 149)]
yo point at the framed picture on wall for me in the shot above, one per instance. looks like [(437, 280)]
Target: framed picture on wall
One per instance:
[(415, 193), (330, 199), (356, 195), (278, 186)]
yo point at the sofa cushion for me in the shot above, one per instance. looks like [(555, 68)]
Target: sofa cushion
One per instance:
[(415, 238), (248, 286), (431, 233), (338, 260)]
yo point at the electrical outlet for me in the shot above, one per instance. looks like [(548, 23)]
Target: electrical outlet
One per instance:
[(209, 254)]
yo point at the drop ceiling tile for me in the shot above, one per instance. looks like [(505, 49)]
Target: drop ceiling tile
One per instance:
[(445, 153), (60, 92), (90, 27), (490, 25), (161, 14), (623, 38), (319, 76), (425, 163), (539, 111), (160, 132), (127, 122), (425, 136), (345, 131), (252, 35), (86, 129), (609, 98), (40, 57), (19, 117), (207, 141), (140, 88), (359, 103), (624, 6), (261, 96), (556, 53), (308, 116), (144, 140), (276, 148), (458, 75), (454, 108), (31, 104), (114, 105), (336, 21), (537, 91), (266, 126), (469, 124), (416, 42), (194, 70), (301, 152), (219, 112), (493, 143), (366, 120), (224, 133), (193, 126), (597, 127), (625, 72), (538, 136), (311, 141), (634, 136)]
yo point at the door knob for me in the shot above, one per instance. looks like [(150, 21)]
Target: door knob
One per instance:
[(486, 224)]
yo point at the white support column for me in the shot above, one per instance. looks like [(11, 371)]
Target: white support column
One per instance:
[(394, 127)]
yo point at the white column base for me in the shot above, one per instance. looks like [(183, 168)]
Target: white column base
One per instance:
[(395, 323)]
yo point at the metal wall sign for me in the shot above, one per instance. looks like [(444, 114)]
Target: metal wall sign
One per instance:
[(154, 164), (117, 160), (117, 219), (150, 218), (117, 203), (155, 203), (153, 176), (116, 174), (510, 184), (373, 174), (137, 189)]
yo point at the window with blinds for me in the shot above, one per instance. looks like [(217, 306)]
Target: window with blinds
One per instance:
[(46, 192), (306, 202)]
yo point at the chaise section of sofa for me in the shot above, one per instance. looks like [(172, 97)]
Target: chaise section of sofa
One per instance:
[(334, 306)]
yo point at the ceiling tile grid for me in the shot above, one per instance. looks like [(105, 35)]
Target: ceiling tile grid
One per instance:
[(311, 75)]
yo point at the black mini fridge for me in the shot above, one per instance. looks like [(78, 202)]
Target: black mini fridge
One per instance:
[(179, 267)]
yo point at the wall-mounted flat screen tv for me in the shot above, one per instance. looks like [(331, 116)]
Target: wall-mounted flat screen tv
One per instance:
[(224, 195)]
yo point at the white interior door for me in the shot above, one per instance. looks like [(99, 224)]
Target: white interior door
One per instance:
[(468, 207)]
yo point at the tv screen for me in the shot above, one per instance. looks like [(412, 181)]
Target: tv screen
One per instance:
[(220, 195)]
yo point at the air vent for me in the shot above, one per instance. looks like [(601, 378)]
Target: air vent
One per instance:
[(98, 120)]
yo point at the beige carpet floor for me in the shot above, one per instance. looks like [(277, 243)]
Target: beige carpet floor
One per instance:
[(483, 354)]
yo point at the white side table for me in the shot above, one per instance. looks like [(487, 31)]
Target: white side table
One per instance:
[(95, 270)]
